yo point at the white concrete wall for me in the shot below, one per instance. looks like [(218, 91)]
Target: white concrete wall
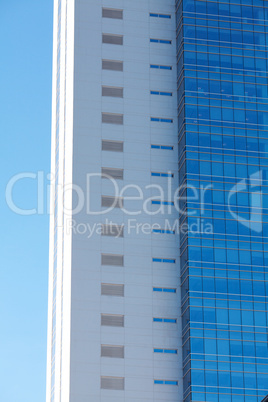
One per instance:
[(82, 283)]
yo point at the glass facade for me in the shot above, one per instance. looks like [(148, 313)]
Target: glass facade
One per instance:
[(223, 165)]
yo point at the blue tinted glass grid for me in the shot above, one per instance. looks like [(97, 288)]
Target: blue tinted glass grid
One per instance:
[(223, 120)]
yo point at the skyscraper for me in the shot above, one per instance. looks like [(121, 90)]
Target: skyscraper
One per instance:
[(158, 221), (222, 98)]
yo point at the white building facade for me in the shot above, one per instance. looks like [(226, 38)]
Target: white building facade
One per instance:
[(114, 321)]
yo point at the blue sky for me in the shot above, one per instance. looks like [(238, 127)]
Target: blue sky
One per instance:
[(25, 113)]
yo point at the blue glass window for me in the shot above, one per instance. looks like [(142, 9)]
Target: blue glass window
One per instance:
[(166, 290), (171, 351), (165, 147), (160, 67), (163, 231), (166, 382), (168, 320), (161, 120), (167, 351), (167, 16), (165, 41), (157, 174), (162, 202), (170, 261), (161, 93)]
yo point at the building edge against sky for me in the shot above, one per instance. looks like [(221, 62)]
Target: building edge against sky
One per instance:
[(60, 241), (114, 322)]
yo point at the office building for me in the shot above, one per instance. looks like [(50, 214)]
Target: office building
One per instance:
[(222, 98), (158, 221)]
